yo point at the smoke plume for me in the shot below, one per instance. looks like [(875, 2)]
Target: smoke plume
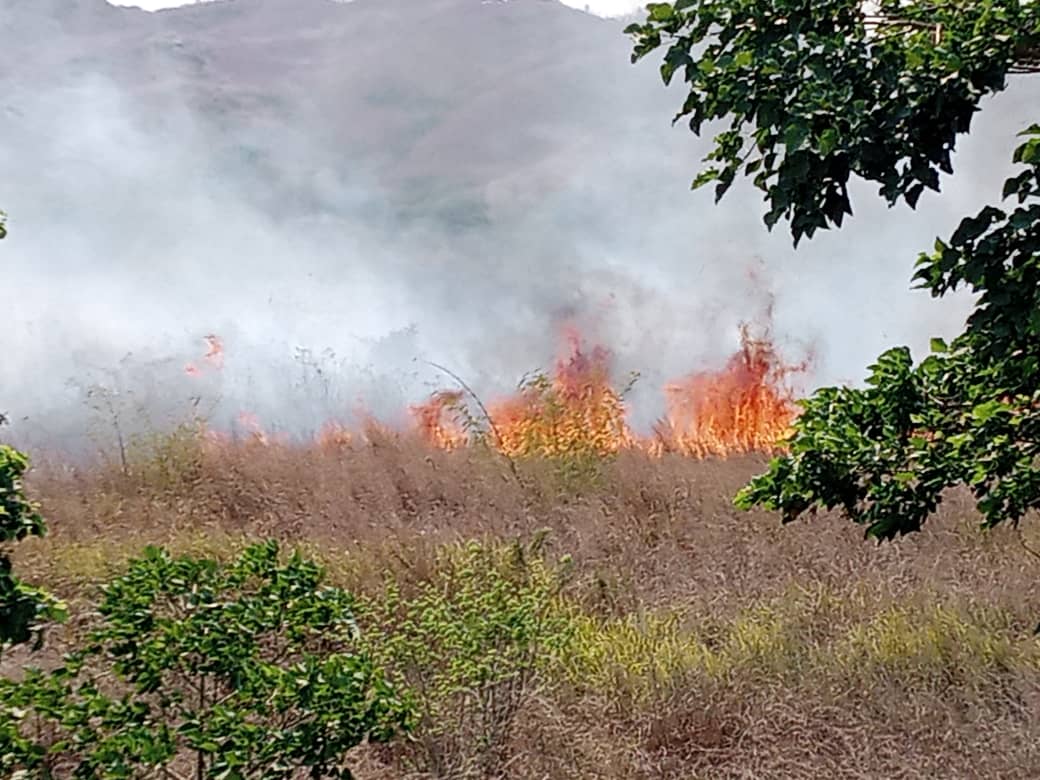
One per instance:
[(343, 191)]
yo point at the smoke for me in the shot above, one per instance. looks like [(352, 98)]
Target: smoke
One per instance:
[(341, 197)]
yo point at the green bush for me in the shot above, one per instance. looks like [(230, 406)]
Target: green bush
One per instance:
[(23, 609), (470, 644), (246, 670)]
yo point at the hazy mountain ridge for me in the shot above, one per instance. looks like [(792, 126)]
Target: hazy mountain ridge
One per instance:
[(445, 105)]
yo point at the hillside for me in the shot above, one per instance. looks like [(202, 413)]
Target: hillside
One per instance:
[(421, 96)]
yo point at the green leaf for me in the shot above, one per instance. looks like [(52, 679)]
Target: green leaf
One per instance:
[(660, 12), (795, 135), (893, 107), (985, 411), (706, 176), (828, 141)]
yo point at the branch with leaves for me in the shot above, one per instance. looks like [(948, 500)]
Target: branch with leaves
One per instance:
[(24, 610), (249, 669), (969, 414), (816, 93)]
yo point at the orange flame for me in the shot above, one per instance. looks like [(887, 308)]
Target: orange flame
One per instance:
[(254, 430), (433, 423), (333, 436), (743, 408), (577, 411), (214, 356)]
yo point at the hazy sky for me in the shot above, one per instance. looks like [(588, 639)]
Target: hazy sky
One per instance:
[(598, 7)]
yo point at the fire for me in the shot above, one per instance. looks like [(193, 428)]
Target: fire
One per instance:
[(743, 408), (214, 356), (576, 411), (746, 406), (333, 436), (434, 424), (255, 432)]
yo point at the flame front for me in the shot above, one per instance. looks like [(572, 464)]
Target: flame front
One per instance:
[(577, 411), (434, 423), (744, 407)]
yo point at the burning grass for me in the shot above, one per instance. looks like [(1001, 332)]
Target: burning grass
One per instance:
[(685, 640), (689, 640), (747, 406), (577, 410), (744, 408)]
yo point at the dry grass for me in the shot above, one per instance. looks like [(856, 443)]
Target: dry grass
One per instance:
[(707, 642)]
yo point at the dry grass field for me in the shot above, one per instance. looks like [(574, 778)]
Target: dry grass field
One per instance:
[(700, 641)]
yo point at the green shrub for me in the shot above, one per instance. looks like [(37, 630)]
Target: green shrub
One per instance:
[(470, 644), (246, 670), (23, 609)]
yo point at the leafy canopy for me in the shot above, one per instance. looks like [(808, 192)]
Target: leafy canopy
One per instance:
[(815, 91)]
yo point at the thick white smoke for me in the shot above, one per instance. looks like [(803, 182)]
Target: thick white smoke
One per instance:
[(454, 196)]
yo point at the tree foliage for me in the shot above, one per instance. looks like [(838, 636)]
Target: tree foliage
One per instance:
[(23, 608), (968, 414), (247, 670), (814, 93)]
